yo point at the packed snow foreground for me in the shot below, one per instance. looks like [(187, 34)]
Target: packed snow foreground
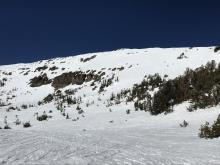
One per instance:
[(67, 111)]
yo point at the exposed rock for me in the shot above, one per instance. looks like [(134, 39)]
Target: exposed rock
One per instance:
[(87, 59), (53, 68), (23, 68), (66, 79), (26, 73), (217, 48), (121, 68), (40, 80), (41, 68), (7, 73), (77, 77)]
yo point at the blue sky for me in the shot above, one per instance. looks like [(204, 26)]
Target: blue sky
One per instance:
[(42, 29)]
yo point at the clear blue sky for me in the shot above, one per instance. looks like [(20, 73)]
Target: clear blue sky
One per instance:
[(40, 29)]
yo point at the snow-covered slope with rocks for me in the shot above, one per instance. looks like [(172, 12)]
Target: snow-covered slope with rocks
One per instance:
[(95, 132)]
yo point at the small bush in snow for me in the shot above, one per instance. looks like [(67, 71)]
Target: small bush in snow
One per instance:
[(24, 106), (17, 122), (42, 117), (10, 109), (71, 100), (26, 124), (80, 111), (78, 108), (210, 132), (184, 124), (7, 127), (48, 98)]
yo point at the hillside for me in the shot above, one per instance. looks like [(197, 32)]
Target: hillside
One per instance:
[(98, 111)]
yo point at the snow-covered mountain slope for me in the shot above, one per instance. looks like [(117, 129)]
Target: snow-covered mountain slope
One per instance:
[(135, 64), (96, 132)]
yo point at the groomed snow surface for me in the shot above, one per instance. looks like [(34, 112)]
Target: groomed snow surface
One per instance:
[(141, 140), (101, 136)]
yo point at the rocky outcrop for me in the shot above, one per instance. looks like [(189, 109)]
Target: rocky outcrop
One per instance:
[(53, 68), (87, 59), (77, 78), (40, 80), (41, 68)]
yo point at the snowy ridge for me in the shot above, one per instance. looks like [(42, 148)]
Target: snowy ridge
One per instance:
[(102, 134)]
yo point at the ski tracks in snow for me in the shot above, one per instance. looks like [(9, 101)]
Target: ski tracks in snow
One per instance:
[(94, 147)]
